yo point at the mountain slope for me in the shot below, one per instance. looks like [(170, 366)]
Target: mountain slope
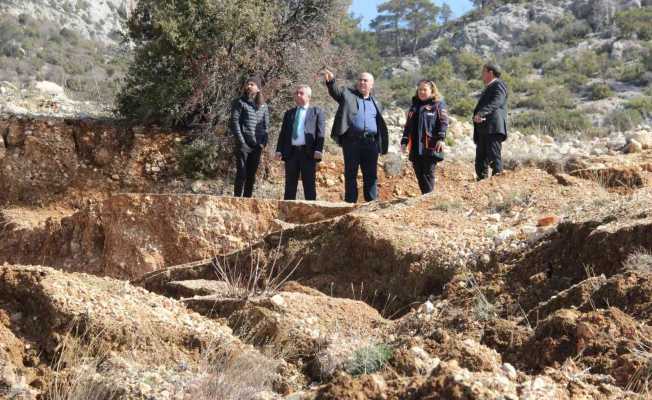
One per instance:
[(74, 44), (572, 65), (93, 19)]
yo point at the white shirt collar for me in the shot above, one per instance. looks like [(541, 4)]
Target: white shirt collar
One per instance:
[(492, 81)]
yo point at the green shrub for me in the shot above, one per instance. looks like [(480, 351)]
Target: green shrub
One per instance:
[(546, 94), (543, 54), (515, 84), (601, 91), (647, 56), (537, 34), (192, 56), (575, 31), (624, 119), (457, 94), (642, 104), (574, 81), (203, 158), (442, 71), (445, 48), (369, 359), (632, 72), (636, 21), (517, 67), (469, 65), (462, 106), (400, 89), (554, 123), (586, 62)]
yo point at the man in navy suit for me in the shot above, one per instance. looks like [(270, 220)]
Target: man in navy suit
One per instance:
[(300, 144), (490, 123)]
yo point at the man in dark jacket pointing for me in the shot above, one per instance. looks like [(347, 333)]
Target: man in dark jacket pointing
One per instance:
[(360, 129), (490, 123)]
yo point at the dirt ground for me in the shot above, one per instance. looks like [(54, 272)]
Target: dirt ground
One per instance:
[(534, 284)]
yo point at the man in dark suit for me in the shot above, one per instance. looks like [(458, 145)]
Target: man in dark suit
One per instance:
[(359, 127), (300, 144), (490, 123)]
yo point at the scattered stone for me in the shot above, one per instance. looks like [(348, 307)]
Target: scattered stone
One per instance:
[(633, 147), (393, 164), (198, 287), (496, 217), (503, 236), (509, 371), (427, 307), (547, 221), (50, 88), (103, 157)]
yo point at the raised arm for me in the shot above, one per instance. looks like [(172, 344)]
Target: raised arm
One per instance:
[(335, 92)]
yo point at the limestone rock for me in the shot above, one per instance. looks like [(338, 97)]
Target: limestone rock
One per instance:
[(633, 147), (49, 88), (393, 164)]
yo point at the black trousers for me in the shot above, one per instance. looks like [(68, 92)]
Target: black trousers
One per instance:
[(360, 153), (301, 163), (488, 154), (246, 164), (424, 169)]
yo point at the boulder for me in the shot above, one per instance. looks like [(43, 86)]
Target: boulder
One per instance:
[(633, 146), (393, 164), (644, 138), (407, 65), (600, 13), (49, 88)]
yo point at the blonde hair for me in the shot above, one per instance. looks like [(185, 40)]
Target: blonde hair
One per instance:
[(433, 88)]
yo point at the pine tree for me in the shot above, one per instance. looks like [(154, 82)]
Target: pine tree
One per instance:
[(404, 23), (191, 56), (445, 13)]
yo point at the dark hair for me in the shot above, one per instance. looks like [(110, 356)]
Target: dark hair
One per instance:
[(259, 98), (493, 68)]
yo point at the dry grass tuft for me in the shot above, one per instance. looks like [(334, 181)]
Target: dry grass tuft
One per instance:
[(640, 381), (264, 276), (639, 261), (76, 377), (228, 375)]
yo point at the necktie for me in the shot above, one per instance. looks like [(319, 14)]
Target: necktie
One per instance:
[(295, 128)]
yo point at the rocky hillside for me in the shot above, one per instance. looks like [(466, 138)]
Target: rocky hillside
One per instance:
[(572, 65), (97, 19), (74, 44)]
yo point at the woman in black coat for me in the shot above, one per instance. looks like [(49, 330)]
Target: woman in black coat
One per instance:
[(424, 133), (249, 125)]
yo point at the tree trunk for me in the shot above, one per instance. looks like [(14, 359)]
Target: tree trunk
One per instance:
[(397, 36)]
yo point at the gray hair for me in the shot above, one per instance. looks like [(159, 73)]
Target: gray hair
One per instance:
[(306, 88), (368, 74)]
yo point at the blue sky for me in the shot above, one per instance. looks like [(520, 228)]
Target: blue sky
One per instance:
[(367, 8)]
